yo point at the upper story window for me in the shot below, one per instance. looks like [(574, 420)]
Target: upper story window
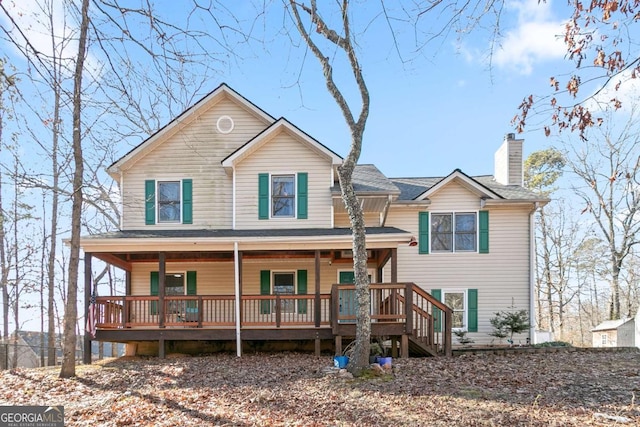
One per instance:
[(283, 196), (169, 201), (454, 232)]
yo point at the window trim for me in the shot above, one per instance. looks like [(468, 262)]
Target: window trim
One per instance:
[(465, 299), (180, 207), (293, 176), (285, 307), (604, 339), (453, 214)]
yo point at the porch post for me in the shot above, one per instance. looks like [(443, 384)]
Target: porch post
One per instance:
[(394, 265), (127, 282), (237, 261), (86, 357), (317, 309), (162, 272), (394, 279)]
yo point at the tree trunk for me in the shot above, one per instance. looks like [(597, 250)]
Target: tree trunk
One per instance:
[(342, 40), (68, 368)]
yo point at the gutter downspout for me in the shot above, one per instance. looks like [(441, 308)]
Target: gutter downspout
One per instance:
[(121, 207), (385, 212), (532, 268), (237, 292), (233, 199)]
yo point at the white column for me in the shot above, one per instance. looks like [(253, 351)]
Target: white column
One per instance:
[(237, 286)]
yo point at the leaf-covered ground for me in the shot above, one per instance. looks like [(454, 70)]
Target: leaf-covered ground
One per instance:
[(550, 389)]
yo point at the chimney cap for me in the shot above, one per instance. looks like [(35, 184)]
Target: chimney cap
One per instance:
[(510, 135)]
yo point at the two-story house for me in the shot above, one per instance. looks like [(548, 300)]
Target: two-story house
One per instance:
[(234, 234)]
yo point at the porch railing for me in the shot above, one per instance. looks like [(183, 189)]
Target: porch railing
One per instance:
[(422, 317), (212, 311)]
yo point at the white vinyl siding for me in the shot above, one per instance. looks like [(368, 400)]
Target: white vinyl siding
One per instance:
[(217, 278), (283, 155), (371, 219), (195, 151), (501, 274)]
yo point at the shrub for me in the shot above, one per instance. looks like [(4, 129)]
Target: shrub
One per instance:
[(508, 323)]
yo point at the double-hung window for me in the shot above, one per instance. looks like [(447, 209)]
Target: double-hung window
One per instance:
[(454, 232), (283, 196), (457, 301), (169, 201)]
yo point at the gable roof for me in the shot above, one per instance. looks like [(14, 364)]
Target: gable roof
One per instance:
[(608, 325), (280, 125), (420, 189), (183, 119)]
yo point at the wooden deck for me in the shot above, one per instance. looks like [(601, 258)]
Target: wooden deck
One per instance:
[(402, 311)]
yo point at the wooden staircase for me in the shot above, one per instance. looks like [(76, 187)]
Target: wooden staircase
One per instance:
[(401, 310)]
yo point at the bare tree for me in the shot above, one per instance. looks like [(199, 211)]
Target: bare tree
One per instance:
[(542, 169), (68, 368), (607, 168), (356, 121), (599, 40)]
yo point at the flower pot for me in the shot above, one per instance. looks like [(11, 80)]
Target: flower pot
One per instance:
[(340, 361), (385, 362)]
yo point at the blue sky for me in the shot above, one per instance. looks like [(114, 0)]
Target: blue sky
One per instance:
[(447, 106), (446, 109)]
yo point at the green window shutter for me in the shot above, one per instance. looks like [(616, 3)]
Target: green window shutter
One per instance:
[(472, 311), (192, 289), (483, 228), (302, 290), (303, 179), (154, 282), (437, 313), (187, 201), (423, 233), (263, 196), (192, 283), (265, 289), (150, 202)]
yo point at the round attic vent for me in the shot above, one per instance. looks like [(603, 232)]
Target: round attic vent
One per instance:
[(224, 124)]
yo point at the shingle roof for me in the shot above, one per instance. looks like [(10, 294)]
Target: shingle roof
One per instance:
[(289, 232), (413, 187), (610, 324), (368, 179)]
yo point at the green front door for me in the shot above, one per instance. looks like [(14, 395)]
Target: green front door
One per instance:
[(347, 297)]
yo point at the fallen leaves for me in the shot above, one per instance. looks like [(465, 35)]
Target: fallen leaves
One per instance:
[(564, 388)]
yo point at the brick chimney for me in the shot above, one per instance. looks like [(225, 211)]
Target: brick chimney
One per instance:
[(508, 161)]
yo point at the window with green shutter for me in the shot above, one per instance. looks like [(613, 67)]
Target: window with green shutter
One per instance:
[(472, 313), (423, 233), (302, 290), (483, 227), (192, 289), (265, 289), (187, 201), (302, 189), (154, 282), (263, 196), (150, 202), (172, 200)]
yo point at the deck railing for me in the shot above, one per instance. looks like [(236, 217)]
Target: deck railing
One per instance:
[(424, 318), (212, 311)]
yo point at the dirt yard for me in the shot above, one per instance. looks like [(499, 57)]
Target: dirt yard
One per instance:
[(578, 388)]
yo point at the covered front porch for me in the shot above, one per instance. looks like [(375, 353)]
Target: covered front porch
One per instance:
[(248, 303)]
